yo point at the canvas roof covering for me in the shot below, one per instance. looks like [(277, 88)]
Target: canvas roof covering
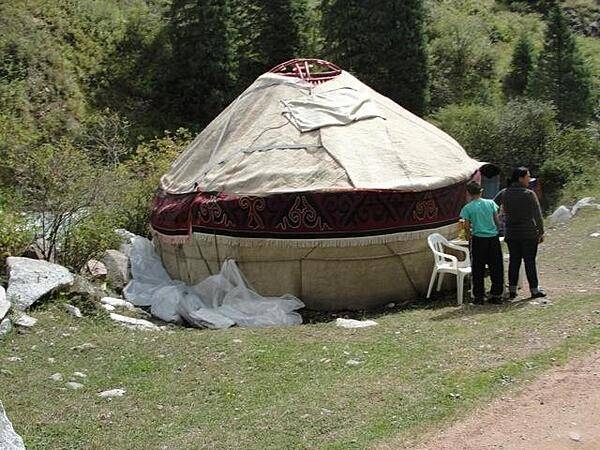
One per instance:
[(285, 135)]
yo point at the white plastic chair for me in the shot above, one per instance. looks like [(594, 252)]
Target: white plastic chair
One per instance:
[(445, 263)]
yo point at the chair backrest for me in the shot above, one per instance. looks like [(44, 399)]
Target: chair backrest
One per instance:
[(436, 242)]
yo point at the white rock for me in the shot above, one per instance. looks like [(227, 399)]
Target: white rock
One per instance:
[(574, 436), (134, 323), (352, 362), (351, 323), (4, 303), (117, 302), (56, 376), (108, 307), (117, 266), (15, 359), (30, 279), (23, 320), (73, 310), (74, 385), (560, 215), (79, 374), (112, 393), (5, 327), (126, 245), (9, 439), (586, 202), (591, 235), (84, 346)]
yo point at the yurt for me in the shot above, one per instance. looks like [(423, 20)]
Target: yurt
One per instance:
[(317, 186)]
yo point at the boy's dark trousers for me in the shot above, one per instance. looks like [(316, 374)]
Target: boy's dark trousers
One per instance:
[(486, 250)]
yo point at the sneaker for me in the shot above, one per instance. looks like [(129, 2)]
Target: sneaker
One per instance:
[(538, 294)]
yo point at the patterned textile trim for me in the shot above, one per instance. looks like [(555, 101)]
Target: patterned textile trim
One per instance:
[(307, 215), (214, 239)]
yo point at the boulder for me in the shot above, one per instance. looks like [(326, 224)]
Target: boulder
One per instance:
[(117, 266), (85, 289), (586, 202), (560, 215), (9, 439), (95, 269), (4, 303), (30, 279), (126, 237)]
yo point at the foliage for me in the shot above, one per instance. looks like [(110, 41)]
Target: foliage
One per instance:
[(60, 187), (515, 134), (15, 233), (462, 57), (139, 177), (574, 160), (199, 75), (383, 46), (515, 82), (562, 75), (87, 239), (268, 33)]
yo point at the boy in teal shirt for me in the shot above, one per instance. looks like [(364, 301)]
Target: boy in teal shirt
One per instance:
[(481, 226)]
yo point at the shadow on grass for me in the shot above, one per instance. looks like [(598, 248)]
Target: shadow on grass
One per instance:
[(439, 301), (469, 309)]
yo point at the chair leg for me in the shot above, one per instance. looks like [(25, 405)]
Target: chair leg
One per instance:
[(440, 280), (459, 288), (431, 282)]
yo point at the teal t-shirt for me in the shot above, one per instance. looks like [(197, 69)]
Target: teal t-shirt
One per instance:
[(480, 213)]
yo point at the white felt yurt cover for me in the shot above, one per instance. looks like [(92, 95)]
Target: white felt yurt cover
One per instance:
[(285, 135)]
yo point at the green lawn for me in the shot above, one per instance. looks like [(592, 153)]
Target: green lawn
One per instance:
[(421, 367)]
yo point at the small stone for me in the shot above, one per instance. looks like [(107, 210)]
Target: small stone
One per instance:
[(108, 307), (15, 359), (352, 362), (237, 341), (73, 310), (5, 327), (112, 393), (23, 320), (56, 376), (84, 346), (74, 385), (51, 360), (574, 436), (79, 374)]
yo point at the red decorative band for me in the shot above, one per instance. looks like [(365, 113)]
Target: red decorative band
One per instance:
[(311, 215)]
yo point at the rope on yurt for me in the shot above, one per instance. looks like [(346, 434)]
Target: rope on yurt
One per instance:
[(301, 271), (410, 280), (202, 256), (217, 251)]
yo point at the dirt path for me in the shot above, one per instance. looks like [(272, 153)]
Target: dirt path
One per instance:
[(560, 410)]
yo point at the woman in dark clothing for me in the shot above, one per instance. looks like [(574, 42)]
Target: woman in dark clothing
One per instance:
[(524, 230)]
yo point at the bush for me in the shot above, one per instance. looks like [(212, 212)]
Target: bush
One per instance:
[(15, 234), (515, 134), (88, 239), (572, 163)]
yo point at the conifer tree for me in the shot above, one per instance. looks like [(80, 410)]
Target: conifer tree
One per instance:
[(515, 82), (382, 44), (561, 74), (199, 77), (268, 34)]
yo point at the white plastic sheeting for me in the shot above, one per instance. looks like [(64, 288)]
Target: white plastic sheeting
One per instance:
[(219, 301)]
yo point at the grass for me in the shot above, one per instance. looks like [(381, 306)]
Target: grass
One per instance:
[(420, 368)]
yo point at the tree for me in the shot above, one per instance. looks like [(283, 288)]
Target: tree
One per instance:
[(383, 45), (562, 75), (268, 34), (515, 82), (199, 77)]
